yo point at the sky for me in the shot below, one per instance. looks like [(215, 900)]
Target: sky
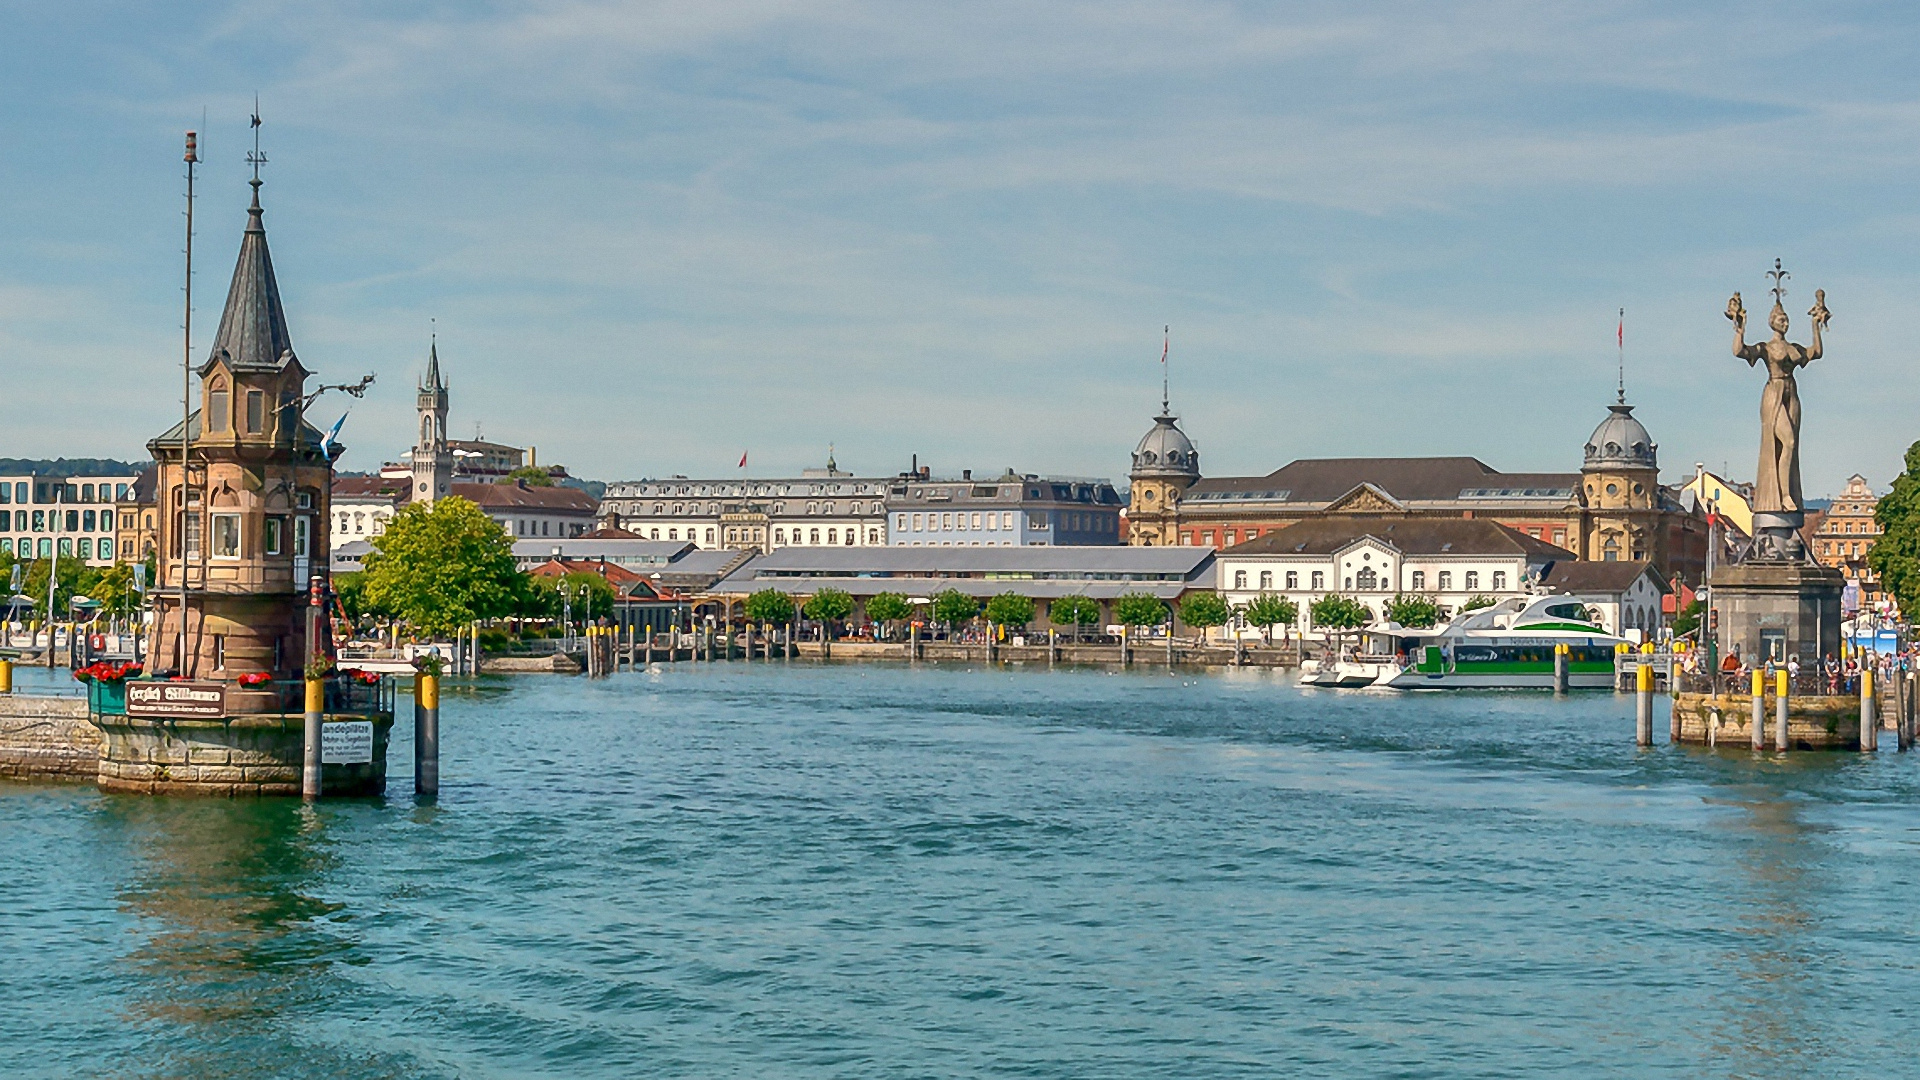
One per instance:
[(654, 236)]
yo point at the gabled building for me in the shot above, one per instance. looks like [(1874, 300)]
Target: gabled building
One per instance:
[(1626, 595)]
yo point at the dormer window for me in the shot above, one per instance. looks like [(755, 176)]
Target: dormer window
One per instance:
[(217, 405)]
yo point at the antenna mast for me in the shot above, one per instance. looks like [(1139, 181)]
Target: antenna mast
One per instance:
[(1621, 336), (1166, 345), (192, 158)]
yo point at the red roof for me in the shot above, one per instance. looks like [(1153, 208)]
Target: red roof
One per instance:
[(522, 496)]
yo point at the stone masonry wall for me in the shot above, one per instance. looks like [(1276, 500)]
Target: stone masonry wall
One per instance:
[(47, 737)]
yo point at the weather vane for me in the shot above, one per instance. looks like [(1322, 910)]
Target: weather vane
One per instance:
[(254, 157)]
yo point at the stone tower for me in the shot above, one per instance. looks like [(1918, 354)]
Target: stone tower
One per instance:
[(432, 459), (1621, 478), (244, 529), (1165, 465)]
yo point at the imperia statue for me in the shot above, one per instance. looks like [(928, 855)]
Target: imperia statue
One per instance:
[(1778, 505)]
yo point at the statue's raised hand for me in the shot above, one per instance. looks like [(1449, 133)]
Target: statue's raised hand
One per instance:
[(1737, 312), (1819, 311)]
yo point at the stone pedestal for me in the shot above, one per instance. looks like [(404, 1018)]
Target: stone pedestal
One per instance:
[(1814, 722), (1778, 608), (238, 755)]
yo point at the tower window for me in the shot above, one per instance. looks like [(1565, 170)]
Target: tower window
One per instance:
[(256, 411), (217, 406)]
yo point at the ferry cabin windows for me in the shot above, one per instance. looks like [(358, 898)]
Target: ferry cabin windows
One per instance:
[(1419, 580), (1446, 580)]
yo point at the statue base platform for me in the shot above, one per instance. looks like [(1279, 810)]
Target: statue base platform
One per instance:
[(1725, 721), (1778, 610)]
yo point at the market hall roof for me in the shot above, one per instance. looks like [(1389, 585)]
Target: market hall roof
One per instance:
[(253, 326), (1101, 572), (1411, 480)]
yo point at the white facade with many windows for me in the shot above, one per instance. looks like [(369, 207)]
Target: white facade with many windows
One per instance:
[(74, 515)]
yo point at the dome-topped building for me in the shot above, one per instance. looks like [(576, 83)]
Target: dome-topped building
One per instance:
[(1621, 478), (1165, 464), (1621, 441)]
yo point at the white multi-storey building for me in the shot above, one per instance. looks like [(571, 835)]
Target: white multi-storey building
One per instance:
[(74, 515), (1372, 559), (819, 508)]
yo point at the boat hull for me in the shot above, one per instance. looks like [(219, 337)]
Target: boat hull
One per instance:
[(1497, 680)]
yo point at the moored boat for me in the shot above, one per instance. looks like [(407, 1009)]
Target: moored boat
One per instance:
[(1509, 646)]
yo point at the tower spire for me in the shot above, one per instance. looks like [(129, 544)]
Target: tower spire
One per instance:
[(1621, 336), (1166, 346)]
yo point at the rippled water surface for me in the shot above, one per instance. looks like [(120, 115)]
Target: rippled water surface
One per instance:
[(865, 870)]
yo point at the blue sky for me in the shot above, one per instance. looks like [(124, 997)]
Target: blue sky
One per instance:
[(654, 235)]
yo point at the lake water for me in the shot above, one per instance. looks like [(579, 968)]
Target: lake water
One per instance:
[(869, 870)]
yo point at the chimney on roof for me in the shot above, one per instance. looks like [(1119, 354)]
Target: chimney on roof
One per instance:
[(926, 472), (966, 474)]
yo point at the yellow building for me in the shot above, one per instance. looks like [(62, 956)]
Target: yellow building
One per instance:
[(1723, 497), (1843, 537)]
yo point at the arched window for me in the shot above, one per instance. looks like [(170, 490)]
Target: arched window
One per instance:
[(1266, 579), (1239, 579), (1293, 579), (217, 405), (1366, 580)]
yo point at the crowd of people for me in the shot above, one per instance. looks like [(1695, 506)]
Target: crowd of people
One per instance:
[(1832, 675)]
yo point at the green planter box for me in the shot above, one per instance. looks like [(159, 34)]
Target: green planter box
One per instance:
[(107, 698)]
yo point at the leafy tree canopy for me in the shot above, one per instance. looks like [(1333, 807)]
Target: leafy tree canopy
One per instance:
[(1896, 553), (534, 475), (584, 593), (828, 605), (1270, 610), (953, 607), (1139, 609), (1336, 612), (1413, 611), (443, 566), (1074, 611), (888, 607), (1010, 609), (1205, 609), (1477, 601), (1687, 619), (768, 606)]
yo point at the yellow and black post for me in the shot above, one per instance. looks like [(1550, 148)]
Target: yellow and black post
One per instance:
[(426, 734)]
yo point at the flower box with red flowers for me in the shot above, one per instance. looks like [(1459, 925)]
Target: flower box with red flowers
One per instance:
[(255, 678)]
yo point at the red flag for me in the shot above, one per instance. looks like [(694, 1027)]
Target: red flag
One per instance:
[(1623, 330), (743, 459), (1164, 344)]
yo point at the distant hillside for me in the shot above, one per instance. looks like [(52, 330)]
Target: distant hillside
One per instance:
[(71, 467)]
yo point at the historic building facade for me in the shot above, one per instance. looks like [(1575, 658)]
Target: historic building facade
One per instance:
[(1613, 507), (1010, 510), (1842, 537), (819, 508), (242, 519)]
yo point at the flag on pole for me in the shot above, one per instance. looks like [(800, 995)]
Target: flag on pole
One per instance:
[(743, 459), (326, 441), (1165, 343), (1621, 334)]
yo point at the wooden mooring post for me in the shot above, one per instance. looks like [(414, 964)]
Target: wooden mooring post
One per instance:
[(1869, 716)]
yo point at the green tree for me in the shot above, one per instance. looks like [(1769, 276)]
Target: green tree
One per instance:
[(1268, 610), (953, 607), (1338, 614), (888, 608), (829, 605), (1139, 609), (586, 594), (443, 566), (75, 579), (534, 475), (113, 587), (768, 606), (1687, 619), (1074, 611), (1010, 609), (1416, 612), (1478, 601), (1205, 610), (1896, 551)]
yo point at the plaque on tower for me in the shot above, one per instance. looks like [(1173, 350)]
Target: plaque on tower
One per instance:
[(180, 700)]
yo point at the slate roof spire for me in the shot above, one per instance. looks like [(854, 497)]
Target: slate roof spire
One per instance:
[(253, 326), (432, 381)]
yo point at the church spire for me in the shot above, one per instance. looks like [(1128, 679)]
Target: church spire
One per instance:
[(432, 381)]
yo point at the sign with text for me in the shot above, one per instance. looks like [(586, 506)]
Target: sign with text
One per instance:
[(346, 742), (199, 700)]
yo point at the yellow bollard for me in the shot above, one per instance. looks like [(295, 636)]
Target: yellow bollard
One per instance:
[(426, 734), (1643, 705), (6, 676), (1869, 716), (310, 759), (1780, 686)]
